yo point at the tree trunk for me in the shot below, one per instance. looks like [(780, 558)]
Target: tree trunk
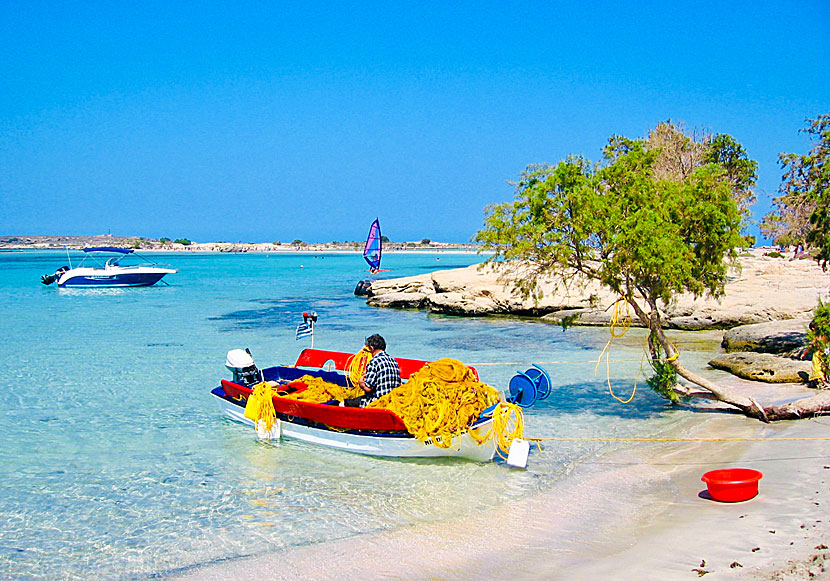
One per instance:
[(802, 408)]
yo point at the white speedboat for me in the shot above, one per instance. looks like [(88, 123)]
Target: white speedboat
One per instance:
[(108, 272)]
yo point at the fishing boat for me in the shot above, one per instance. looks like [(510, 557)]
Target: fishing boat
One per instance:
[(370, 431), (107, 270)]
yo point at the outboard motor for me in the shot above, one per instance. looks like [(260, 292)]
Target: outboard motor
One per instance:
[(363, 287), (50, 278), (243, 368)]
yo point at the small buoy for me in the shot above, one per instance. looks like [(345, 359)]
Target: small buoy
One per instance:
[(732, 484), (517, 456)]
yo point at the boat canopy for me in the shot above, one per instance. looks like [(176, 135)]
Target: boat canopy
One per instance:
[(108, 249)]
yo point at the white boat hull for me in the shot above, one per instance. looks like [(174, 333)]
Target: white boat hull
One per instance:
[(464, 446), (119, 276)]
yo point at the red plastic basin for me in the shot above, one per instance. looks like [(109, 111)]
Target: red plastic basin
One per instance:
[(732, 484)]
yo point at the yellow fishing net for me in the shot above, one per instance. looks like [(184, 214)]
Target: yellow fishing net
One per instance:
[(260, 406), (439, 401), (320, 391)]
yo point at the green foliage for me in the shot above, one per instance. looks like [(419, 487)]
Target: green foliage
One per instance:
[(801, 211), (568, 321), (819, 330), (617, 223), (665, 376), (426, 242), (818, 334), (183, 242), (164, 240), (740, 171)]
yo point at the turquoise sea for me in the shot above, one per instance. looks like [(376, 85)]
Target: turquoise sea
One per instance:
[(116, 463)]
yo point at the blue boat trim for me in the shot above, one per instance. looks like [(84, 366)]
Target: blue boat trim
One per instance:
[(116, 280), (108, 249)]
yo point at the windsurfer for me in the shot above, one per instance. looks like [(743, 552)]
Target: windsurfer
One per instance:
[(382, 374)]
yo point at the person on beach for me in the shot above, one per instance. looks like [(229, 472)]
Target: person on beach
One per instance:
[(382, 374)]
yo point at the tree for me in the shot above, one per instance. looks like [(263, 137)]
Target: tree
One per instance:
[(647, 235), (740, 171), (801, 215)]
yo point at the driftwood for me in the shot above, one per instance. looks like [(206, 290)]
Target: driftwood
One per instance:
[(811, 406)]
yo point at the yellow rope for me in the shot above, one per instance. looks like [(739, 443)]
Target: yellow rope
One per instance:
[(676, 439), (356, 365), (508, 424), (571, 362), (622, 321)]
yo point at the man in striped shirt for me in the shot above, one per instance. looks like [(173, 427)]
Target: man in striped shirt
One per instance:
[(382, 374)]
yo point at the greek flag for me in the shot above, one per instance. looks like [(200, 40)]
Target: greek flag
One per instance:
[(305, 329)]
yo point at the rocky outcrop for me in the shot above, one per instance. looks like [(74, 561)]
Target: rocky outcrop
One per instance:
[(787, 338), (763, 367), (761, 290)]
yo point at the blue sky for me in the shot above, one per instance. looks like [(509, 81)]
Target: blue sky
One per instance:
[(269, 121)]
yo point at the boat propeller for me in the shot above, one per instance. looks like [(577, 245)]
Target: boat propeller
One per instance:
[(50, 278)]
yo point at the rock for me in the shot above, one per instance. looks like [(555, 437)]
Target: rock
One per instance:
[(455, 303), (781, 337), (586, 317), (761, 290), (398, 300), (763, 367)]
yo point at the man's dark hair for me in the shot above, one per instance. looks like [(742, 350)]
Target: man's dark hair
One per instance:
[(376, 342)]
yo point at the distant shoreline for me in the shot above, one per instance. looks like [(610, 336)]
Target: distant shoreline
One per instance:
[(9, 243)]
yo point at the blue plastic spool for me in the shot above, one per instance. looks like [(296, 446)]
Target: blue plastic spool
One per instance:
[(528, 386)]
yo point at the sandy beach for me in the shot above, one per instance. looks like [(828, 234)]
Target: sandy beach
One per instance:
[(638, 512)]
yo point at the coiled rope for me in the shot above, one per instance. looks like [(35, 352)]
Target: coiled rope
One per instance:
[(508, 425), (619, 325), (356, 365)]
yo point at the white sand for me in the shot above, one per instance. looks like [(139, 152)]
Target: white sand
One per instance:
[(634, 514)]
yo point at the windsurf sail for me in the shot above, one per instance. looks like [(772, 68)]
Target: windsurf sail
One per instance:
[(374, 246)]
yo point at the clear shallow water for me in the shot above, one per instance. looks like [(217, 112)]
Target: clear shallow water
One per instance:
[(115, 462)]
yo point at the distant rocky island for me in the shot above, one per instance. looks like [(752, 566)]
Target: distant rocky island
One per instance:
[(185, 245)]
